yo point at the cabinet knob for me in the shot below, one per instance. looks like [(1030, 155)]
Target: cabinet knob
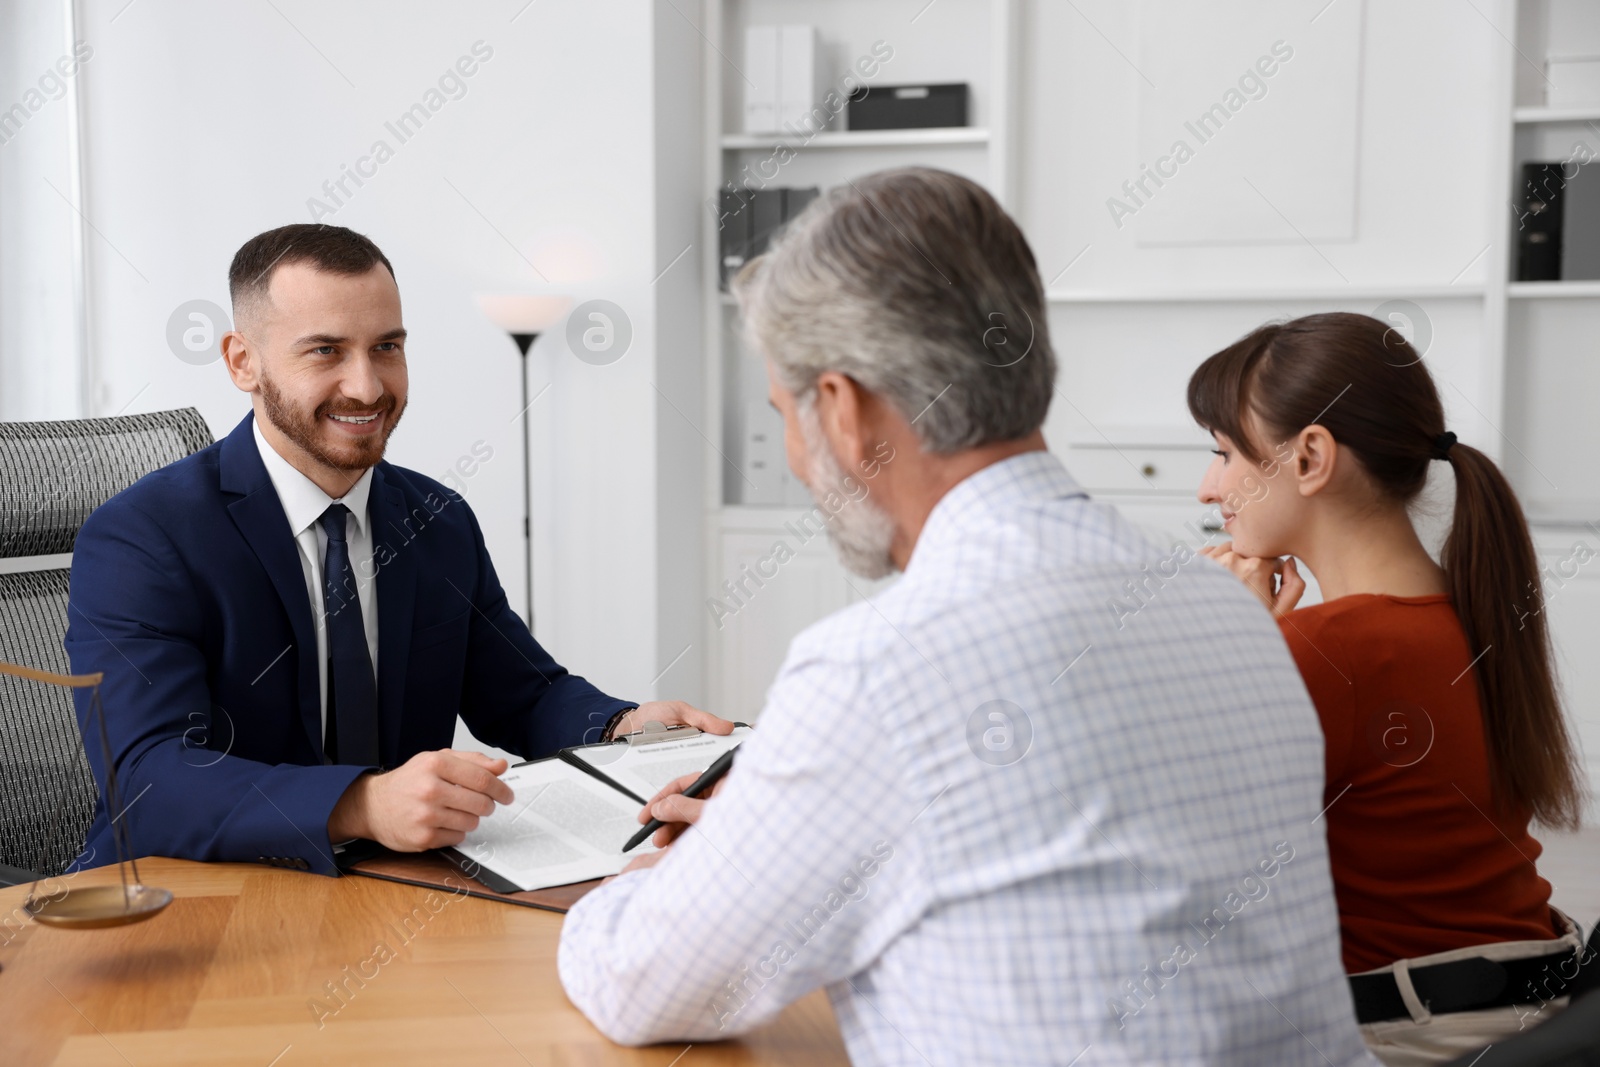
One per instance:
[(1148, 470)]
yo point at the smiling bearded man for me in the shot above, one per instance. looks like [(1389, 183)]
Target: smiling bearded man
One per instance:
[(338, 611)]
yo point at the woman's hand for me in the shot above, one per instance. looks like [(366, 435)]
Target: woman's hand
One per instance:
[(1276, 581)]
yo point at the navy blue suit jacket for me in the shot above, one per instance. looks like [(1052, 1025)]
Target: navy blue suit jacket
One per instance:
[(188, 593)]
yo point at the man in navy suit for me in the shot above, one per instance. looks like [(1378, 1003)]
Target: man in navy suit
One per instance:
[(289, 626)]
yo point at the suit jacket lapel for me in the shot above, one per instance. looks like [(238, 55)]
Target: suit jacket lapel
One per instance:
[(261, 521), (396, 561)]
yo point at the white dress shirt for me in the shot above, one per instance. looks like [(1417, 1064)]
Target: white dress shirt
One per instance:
[(879, 836), (304, 502)]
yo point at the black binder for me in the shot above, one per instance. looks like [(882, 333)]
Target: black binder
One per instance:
[(1580, 223), (765, 218), (750, 217), (733, 217), (1543, 202), (795, 201)]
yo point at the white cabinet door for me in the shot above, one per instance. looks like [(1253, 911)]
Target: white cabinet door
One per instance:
[(773, 599)]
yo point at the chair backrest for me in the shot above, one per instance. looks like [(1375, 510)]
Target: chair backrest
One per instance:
[(52, 475)]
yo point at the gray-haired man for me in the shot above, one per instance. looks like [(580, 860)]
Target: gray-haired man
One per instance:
[(999, 822)]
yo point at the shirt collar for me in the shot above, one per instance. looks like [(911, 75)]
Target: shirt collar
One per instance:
[(998, 488), (302, 499)]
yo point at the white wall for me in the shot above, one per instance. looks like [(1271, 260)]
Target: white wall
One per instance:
[(207, 123), (683, 428), (1420, 107), (39, 374), (1422, 151)]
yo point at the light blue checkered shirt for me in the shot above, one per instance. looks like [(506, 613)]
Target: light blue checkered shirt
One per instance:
[(1052, 798)]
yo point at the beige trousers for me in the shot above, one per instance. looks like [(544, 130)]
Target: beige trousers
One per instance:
[(1426, 1038)]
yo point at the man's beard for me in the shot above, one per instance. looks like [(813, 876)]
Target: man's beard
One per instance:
[(306, 431), (861, 531)]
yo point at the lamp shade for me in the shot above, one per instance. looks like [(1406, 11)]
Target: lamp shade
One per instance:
[(521, 313)]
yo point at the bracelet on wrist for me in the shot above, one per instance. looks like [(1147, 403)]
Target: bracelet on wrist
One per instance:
[(610, 732)]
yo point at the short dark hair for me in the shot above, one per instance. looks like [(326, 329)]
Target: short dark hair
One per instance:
[(331, 248)]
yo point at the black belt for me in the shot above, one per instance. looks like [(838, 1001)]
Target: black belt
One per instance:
[(1471, 984)]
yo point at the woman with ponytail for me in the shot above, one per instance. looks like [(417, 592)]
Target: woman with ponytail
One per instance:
[(1434, 681)]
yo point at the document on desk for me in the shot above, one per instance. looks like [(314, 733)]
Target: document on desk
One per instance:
[(572, 813), (642, 770), (563, 826)]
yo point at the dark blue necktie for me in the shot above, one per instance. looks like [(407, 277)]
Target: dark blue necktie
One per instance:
[(352, 731)]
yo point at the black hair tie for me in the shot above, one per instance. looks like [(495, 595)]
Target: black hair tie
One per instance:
[(1441, 445)]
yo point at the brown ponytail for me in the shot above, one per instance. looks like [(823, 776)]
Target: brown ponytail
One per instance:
[(1363, 383)]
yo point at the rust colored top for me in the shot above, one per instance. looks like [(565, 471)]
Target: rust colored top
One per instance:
[(1422, 862)]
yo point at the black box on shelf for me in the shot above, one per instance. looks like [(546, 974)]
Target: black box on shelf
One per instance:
[(907, 107)]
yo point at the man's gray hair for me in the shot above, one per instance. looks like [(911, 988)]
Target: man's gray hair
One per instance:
[(916, 284)]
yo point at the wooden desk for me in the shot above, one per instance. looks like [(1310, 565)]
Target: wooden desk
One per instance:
[(234, 970)]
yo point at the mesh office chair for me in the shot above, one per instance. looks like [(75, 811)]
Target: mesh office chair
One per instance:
[(52, 475)]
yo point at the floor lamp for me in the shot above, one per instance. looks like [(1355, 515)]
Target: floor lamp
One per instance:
[(525, 318)]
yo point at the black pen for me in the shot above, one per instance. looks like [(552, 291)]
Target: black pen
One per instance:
[(712, 776)]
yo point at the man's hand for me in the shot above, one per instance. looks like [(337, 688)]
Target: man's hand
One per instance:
[(677, 811), (1276, 581), (430, 801), (671, 712)]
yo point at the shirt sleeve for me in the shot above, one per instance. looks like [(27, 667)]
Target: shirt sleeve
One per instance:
[(1330, 681), (798, 874)]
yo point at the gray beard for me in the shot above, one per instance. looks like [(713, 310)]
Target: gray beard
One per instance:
[(861, 532)]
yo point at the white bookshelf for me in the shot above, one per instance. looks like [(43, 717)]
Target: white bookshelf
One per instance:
[(1544, 329), (937, 46)]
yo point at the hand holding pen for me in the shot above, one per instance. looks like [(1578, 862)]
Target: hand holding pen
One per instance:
[(678, 805)]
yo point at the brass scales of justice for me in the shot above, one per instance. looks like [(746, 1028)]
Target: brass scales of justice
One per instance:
[(101, 906)]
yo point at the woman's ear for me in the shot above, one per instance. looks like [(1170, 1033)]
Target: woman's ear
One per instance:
[(1316, 456)]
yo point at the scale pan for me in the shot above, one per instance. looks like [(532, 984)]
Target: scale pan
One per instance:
[(100, 906)]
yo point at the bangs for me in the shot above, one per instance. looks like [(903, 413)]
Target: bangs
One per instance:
[(1219, 389)]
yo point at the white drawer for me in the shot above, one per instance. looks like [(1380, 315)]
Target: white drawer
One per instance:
[(1135, 469)]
